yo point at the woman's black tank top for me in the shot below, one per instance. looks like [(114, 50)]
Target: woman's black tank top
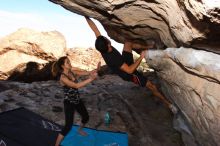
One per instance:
[(71, 94)]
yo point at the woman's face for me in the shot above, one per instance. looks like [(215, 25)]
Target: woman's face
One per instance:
[(67, 64)]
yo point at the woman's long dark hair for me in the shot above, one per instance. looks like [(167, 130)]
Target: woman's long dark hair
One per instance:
[(57, 67)]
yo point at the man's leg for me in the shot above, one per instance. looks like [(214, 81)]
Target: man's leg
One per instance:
[(142, 81), (155, 92)]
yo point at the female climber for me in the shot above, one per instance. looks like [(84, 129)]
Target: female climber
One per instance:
[(67, 76)]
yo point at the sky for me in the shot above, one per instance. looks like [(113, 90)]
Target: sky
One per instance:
[(42, 15), (212, 3)]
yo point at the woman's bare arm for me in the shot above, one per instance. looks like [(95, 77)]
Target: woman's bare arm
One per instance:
[(64, 80), (81, 72)]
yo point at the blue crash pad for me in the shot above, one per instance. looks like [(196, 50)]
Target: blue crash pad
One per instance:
[(95, 138)]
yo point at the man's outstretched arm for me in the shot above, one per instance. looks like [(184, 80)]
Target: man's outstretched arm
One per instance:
[(130, 69), (93, 26)]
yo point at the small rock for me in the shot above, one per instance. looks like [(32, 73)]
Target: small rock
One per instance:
[(57, 109)]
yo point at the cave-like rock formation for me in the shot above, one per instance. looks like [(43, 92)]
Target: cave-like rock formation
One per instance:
[(190, 78), (25, 54), (171, 23)]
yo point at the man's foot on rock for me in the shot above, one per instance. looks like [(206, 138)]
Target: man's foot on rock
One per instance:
[(173, 108)]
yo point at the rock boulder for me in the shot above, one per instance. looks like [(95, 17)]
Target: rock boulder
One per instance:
[(26, 47)]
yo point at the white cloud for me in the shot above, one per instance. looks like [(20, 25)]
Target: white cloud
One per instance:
[(13, 21), (210, 4), (72, 26)]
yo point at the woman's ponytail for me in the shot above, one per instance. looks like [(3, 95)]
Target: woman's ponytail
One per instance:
[(54, 69), (57, 68)]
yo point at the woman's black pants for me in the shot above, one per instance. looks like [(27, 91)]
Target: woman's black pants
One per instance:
[(69, 109)]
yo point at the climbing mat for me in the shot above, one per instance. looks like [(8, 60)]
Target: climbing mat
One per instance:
[(95, 138)]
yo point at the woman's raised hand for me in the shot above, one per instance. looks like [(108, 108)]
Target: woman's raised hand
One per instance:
[(98, 66), (93, 75), (97, 69)]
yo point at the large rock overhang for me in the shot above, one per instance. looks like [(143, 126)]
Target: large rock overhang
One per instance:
[(188, 23)]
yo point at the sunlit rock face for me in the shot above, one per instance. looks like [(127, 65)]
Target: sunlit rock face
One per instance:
[(85, 58), (189, 23), (191, 79), (29, 51), (27, 55)]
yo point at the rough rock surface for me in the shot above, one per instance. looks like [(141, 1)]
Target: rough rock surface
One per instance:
[(132, 108), (191, 23), (191, 79), (28, 46)]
